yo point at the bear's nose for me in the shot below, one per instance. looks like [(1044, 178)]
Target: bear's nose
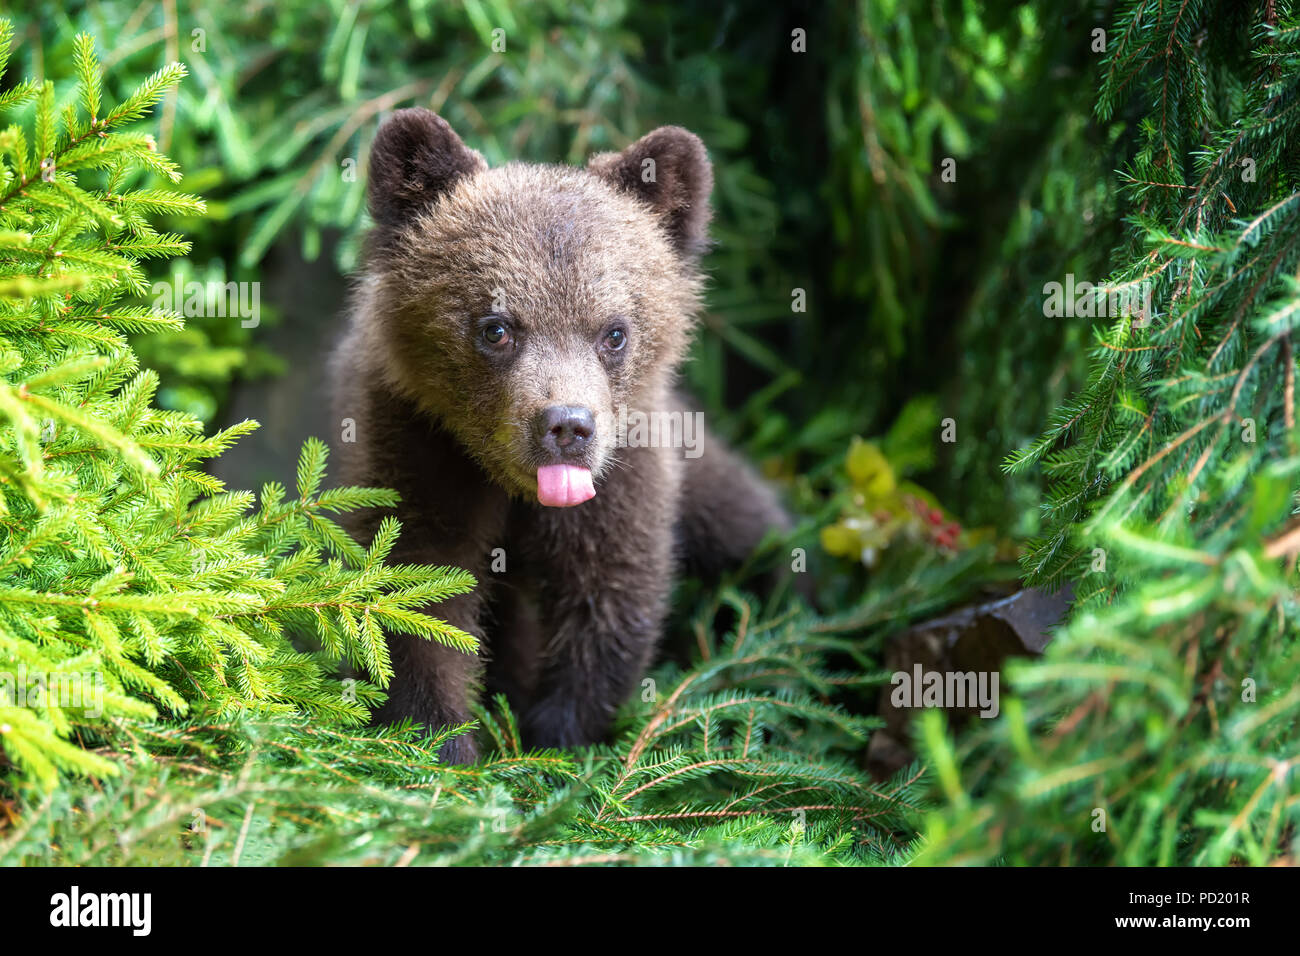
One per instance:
[(565, 430)]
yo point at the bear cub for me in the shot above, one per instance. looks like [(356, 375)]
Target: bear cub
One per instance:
[(502, 323)]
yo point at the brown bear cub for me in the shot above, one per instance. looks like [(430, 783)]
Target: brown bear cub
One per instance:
[(508, 324)]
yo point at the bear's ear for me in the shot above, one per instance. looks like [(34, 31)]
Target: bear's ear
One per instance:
[(415, 158), (667, 169)]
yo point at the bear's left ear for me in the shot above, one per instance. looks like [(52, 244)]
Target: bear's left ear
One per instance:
[(667, 169)]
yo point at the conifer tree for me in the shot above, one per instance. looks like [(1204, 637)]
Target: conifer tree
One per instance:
[(128, 574), (1161, 728), (737, 760)]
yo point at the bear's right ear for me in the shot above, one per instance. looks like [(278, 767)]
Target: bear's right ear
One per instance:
[(415, 158)]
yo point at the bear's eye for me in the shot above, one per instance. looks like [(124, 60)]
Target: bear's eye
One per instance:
[(495, 333), (615, 339)]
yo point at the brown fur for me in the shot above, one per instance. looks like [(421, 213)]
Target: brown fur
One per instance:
[(560, 256)]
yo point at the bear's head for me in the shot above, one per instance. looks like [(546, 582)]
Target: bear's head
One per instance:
[(522, 306)]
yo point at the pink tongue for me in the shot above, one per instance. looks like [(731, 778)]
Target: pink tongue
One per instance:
[(561, 486)]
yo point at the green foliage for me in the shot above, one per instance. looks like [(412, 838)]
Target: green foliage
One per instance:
[(883, 512), (126, 572), (1165, 708), (916, 101), (1169, 702), (213, 621), (716, 768), (960, 174)]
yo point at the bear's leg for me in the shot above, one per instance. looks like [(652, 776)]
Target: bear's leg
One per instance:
[(432, 682), (604, 573), (515, 644), (452, 516)]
